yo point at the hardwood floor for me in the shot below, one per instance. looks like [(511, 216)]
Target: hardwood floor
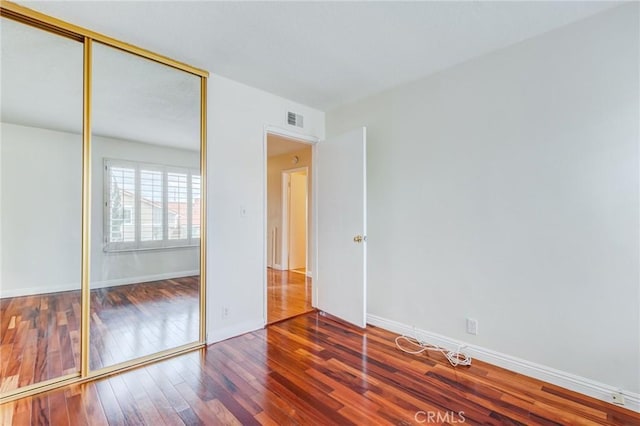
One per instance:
[(288, 294), (39, 335), (312, 371)]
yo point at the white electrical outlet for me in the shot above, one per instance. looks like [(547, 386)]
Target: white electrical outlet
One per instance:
[(225, 312), (472, 326), (617, 398)]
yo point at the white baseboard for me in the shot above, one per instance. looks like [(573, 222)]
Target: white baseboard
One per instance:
[(277, 267), (217, 334), (44, 289), (29, 291), (564, 379)]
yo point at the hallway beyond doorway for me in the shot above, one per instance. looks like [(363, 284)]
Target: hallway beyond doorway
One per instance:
[(288, 294)]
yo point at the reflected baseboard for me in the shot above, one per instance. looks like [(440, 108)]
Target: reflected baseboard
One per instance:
[(44, 289)]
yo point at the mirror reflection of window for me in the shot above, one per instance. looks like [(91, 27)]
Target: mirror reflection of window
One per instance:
[(146, 241)]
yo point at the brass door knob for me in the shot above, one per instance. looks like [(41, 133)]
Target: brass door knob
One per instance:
[(358, 239)]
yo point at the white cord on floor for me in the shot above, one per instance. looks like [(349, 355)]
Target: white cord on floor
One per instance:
[(455, 358)]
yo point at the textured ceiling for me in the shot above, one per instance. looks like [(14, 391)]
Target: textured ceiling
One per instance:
[(41, 78), (322, 54), (133, 98)]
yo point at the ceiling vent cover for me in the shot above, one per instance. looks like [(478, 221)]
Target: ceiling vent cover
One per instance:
[(295, 119)]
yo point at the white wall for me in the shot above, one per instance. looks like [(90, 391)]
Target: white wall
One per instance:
[(236, 259), (42, 175), (506, 189), (41, 218)]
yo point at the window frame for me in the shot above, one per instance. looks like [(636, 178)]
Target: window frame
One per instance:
[(139, 245)]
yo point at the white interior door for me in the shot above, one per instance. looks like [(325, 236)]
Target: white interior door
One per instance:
[(341, 274), (298, 220)]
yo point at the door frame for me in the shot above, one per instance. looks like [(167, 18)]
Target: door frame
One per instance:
[(284, 247), (313, 226)]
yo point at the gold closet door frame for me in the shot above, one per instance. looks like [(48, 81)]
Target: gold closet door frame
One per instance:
[(87, 37)]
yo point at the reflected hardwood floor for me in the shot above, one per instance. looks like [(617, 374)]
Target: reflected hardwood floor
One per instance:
[(39, 338), (288, 295), (40, 334), (312, 371), (131, 321)]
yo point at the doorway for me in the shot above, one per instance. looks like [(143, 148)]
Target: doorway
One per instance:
[(289, 236)]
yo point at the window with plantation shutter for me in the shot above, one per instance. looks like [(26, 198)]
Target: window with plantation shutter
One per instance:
[(150, 206)]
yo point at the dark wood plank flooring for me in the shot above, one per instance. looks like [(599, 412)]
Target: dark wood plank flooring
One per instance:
[(131, 321), (288, 295), (313, 371), (40, 334), (37, 338)]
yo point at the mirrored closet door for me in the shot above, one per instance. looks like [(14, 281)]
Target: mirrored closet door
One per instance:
[(40, 205), (102, 217), (145, 212)]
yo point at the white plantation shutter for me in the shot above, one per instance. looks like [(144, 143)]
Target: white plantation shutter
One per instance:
[(121, 204), (150, 206), (195, 206), (178, 205)]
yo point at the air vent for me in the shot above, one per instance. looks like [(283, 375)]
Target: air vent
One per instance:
[(295, 119)]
